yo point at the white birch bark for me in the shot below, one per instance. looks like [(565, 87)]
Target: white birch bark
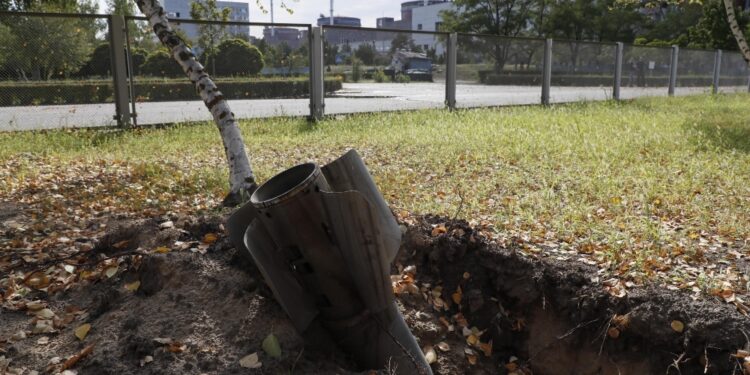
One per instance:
[(241, 178), (739, 36)]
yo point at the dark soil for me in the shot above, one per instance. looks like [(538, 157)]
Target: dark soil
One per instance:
[(553, 316)]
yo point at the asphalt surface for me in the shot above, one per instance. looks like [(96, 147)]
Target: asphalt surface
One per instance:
[(353, 98)]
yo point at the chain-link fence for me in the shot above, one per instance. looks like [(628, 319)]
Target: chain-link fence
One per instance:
[(263, 69), (75, 70), (734, 73), (493, 70), (645, 71), (695, 71), (55, 71), (582, 71), (384, 70)]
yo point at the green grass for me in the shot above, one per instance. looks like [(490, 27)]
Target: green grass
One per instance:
[(642, 178)]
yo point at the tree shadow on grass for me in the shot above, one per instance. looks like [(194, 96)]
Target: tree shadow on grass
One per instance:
[(727, 134)]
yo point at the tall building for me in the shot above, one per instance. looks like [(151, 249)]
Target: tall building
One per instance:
[(342, 36), (294, 38), (180, 9), (428, 18), (423, 11)]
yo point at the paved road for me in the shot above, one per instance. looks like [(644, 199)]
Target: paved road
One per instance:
[(353, 98)]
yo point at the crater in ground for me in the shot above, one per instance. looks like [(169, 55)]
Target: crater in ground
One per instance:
[(482, 308)]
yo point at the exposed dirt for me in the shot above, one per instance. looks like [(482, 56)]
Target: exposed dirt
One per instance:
[(553, 317)]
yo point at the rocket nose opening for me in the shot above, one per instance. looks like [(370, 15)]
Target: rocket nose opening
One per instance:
[(285, 185)]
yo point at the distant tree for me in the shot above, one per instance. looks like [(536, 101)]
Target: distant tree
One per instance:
[(209, 35), (238, 57), (99, 64), (126, 8), (161, 64), (713, 30), (43, 48), (674, 26), (366, 52), (497, 17)]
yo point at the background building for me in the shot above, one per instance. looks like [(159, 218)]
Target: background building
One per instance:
[(294, 38), (427, 18), (181, 9)]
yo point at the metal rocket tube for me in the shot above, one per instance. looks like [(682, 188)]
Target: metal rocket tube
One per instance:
[(324, 241)]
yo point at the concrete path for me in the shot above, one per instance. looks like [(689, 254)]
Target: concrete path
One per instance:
[(353, 98)]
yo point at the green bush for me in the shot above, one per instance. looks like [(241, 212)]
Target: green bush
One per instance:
[(402, 78), (138, 57), (99, 64), (356, 70), (379, 76), (237, 57), (101, 92), (161, 64)]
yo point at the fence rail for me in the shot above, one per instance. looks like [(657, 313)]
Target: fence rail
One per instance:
[(74, 70)]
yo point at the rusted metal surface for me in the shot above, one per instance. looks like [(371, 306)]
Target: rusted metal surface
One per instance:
[(324, 240)]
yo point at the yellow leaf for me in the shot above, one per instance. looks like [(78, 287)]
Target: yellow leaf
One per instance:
[(133, 286), (210, 238), (457, 296), (472, 340), (82, 331), (678, 326), (162, 250)]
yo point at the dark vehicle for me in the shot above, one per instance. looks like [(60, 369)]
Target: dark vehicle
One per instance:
[(412, 64)]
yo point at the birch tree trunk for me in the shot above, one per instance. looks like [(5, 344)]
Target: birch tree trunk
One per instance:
[(739, 36), (241, 178)]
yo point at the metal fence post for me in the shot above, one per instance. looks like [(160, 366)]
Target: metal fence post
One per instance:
[(317, 75), (450, 71), (618, 70), (717, 72), (547, 71), (673, 69), (119, 69)]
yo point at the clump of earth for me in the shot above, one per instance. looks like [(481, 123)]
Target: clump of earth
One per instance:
[(173, 295)]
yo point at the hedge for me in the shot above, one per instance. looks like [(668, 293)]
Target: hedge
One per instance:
[(21, 94), (599, 80)]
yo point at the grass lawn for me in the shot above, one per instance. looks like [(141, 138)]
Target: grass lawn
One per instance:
[(651, 188)]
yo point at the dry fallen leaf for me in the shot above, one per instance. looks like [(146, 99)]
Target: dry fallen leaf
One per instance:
[(438, 230), (162, 250), (210, 238), (82, 331), (110, 271), (35, 305), (77, 357), (430, 355), (45, 314), (443, 346), (250, 361), (457, 296), (678, 326), (613, 332), (133, 286), (486, 348), (43, 326)]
